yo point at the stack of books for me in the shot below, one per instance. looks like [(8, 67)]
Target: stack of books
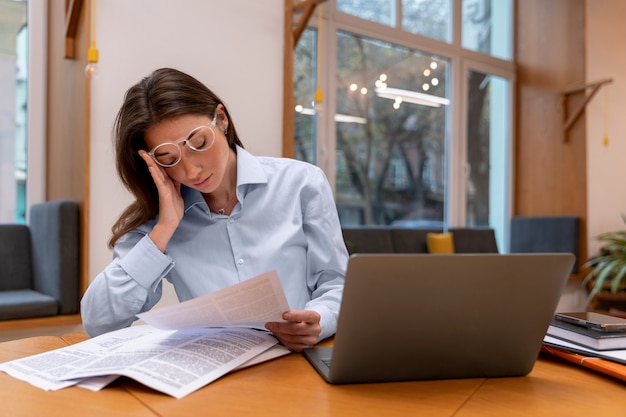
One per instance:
[(601, 351), (587, 337)]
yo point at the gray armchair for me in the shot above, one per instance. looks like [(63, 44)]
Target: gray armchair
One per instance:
[(389, 239), (532, 234), (40, 270)]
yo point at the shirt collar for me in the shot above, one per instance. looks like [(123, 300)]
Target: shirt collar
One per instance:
[(249, 169)]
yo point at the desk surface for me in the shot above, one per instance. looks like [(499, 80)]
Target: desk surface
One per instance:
[(289, 386)]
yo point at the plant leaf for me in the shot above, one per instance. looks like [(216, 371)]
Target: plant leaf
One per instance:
[(617, 279)]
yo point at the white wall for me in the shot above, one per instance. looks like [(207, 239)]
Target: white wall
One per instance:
[(606, 113), (234, 46)]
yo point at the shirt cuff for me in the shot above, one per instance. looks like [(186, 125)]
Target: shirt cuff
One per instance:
[(146, 264), (328, 321)]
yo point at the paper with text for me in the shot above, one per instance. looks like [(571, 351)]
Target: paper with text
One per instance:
[(182, 348), (250, 303), (46, 370), (174, 362)]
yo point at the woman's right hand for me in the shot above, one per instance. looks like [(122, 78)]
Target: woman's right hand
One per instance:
[(171, 205)]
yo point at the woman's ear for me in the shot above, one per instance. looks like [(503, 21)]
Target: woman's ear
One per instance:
[(222, 118)]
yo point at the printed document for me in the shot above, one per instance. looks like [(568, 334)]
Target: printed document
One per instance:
[(177, 352), (251, 303)]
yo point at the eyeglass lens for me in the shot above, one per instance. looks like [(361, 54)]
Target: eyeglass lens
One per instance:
[(169, 154)]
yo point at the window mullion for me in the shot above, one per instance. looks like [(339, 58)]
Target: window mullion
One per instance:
[(326, 144), (37, 69), (456, 149)]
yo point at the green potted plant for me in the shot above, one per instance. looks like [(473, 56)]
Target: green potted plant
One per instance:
[(607, 278)]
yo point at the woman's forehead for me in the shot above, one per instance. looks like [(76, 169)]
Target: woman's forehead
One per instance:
[(171, 130)]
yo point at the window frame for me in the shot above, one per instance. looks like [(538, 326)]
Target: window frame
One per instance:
[(461, 61), (37, 98)]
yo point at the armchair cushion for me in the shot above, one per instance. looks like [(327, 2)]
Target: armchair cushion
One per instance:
[(17, 268), (411, 240), (40, 262), (440, 242), (367, 239), (389, 239), (20, 304), (55, 246), (474, 240)]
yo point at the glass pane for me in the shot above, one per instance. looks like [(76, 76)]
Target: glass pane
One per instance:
[(304, 85), (381, 11), (487, 27), (13, 84), (487, 150), (391, 131), (428, 17)]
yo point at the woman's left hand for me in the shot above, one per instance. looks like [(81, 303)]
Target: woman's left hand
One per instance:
[(301, 330)]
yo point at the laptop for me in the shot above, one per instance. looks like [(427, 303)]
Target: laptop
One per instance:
[(408, 317)]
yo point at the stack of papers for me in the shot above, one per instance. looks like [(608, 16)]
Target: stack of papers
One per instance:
[(618, 355), (181, 348), (602, 352)]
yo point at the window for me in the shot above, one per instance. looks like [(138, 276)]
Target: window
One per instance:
[(13, 124), (381, 11), (429, 18), (305, 58), (486, 160), (22, 127), (390, 134), (486, 27), (414, 130)]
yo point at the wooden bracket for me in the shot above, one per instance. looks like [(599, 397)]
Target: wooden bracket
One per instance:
[(292, 36), (309, 7), (569, 121), (72, 16)]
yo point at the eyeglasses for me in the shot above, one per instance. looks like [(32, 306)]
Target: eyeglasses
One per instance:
[(200, 139)]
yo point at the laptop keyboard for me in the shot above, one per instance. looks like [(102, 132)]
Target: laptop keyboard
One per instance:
[(326, 362)]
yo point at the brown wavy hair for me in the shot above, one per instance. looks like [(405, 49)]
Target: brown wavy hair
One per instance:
[(164, 94)]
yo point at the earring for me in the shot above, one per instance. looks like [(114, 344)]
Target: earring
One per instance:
[(226, 132)]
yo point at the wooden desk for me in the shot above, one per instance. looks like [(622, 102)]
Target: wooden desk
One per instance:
[(20, 399), (289, 386)]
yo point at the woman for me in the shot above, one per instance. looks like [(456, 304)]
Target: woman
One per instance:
[(208, 214)]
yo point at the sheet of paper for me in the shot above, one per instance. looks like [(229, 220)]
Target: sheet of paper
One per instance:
[(47, 370), (178, 363), (274, 352), (97, 382), (182, 348), (174, 362), (250, 303)]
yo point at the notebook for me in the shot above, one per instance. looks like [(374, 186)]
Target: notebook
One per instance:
[(424, 316)]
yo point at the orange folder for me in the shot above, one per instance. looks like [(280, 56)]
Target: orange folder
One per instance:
[(604, 366)]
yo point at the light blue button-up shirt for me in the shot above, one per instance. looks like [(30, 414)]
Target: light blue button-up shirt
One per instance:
[(286, 220)]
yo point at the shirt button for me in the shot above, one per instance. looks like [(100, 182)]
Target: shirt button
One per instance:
[(231, 220), (240, 261)]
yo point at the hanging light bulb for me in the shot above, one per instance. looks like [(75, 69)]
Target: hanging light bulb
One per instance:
[(91, 69)]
